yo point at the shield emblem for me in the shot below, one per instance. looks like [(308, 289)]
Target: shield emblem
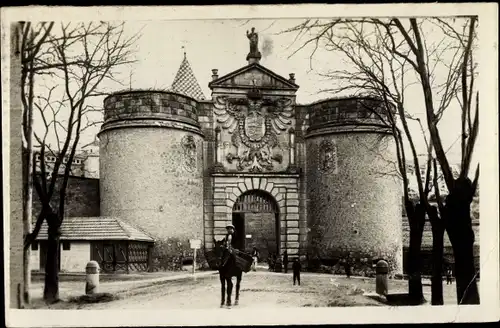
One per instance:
[(327, 156), (255, 126)]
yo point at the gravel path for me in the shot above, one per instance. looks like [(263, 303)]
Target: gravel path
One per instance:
[(258, 290)]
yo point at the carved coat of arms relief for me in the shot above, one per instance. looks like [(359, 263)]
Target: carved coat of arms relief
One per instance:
[(327, 161), (254, 125), (189, 153)]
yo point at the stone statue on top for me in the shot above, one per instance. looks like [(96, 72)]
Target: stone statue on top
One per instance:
[(254, 46)]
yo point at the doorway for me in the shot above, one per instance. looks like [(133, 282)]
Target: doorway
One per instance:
[(256, 220)]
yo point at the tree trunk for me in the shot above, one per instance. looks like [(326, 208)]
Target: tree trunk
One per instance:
[(416, 219), (27, 208), (458, 224), (437, 257), (51, 290)]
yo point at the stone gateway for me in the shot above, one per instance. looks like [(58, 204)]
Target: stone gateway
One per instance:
[(305, 179)]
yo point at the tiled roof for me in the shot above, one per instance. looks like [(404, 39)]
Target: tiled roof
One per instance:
[(96, 228), (185, 82)]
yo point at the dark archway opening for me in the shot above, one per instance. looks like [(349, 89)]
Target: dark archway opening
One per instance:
[(256, 219)]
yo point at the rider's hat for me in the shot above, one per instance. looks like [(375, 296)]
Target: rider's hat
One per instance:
[(230, 226)]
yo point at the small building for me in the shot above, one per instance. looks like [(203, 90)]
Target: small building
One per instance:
[(114, 244)]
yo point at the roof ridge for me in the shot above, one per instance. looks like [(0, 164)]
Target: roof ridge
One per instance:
[(132, 226), (124, 228)]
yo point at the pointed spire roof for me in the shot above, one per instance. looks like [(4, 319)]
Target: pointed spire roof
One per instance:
[(185, 82)]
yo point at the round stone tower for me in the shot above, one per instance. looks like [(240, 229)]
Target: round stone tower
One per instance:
[(354, 193), (151, 163)]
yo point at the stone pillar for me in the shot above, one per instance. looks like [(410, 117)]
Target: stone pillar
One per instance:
[(92, 278), (381, 280)]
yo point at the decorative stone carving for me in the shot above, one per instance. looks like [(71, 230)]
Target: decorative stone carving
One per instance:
[(254, 124), (218, 168), (189, 153), (327, 161)]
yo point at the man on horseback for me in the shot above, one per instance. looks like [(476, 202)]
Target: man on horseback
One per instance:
[(231, 230), (228, 269)]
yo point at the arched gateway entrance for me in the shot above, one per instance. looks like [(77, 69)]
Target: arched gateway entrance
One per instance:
[(256, 219)]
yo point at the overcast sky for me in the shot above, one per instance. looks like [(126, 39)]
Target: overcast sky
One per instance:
[(222, 44)]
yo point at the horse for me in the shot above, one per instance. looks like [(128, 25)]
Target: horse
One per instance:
[(226, 265)]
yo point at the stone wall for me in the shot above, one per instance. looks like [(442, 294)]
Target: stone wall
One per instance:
[(144, 180), (82, 198), (14, 190), (354, 207), (354, 197), (152, 164)]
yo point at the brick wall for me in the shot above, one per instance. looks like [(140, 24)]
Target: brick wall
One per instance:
[(82, 198), (150, 104), (342, 110), (14, 186)]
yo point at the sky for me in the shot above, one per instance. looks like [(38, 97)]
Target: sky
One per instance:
[(223, 45)]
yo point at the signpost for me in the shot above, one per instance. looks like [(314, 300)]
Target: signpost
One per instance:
[(194, 244)]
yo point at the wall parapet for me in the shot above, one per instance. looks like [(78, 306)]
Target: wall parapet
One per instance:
[(348, 115), (150, 108)]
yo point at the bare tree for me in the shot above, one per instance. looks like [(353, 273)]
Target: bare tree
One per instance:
[(71, 66), (461, 190), (378, 64), (31, 41)]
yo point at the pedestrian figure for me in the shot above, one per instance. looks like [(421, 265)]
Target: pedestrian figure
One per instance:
[(285, 261), (296, 267), (347, 266), (255, 257), (278, 265), (272, 264), (448, 276)]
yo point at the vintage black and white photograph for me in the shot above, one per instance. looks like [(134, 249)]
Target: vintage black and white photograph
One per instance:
[(329, 161)]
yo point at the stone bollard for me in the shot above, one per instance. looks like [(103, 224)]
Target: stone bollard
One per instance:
[(92, 278), (381, 280)]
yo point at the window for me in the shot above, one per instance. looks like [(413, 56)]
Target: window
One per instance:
[(66, 246), (34, 246)]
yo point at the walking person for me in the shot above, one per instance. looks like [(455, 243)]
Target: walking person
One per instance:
[(347, 266), (296, 267), (255, 257), (285, 261)]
